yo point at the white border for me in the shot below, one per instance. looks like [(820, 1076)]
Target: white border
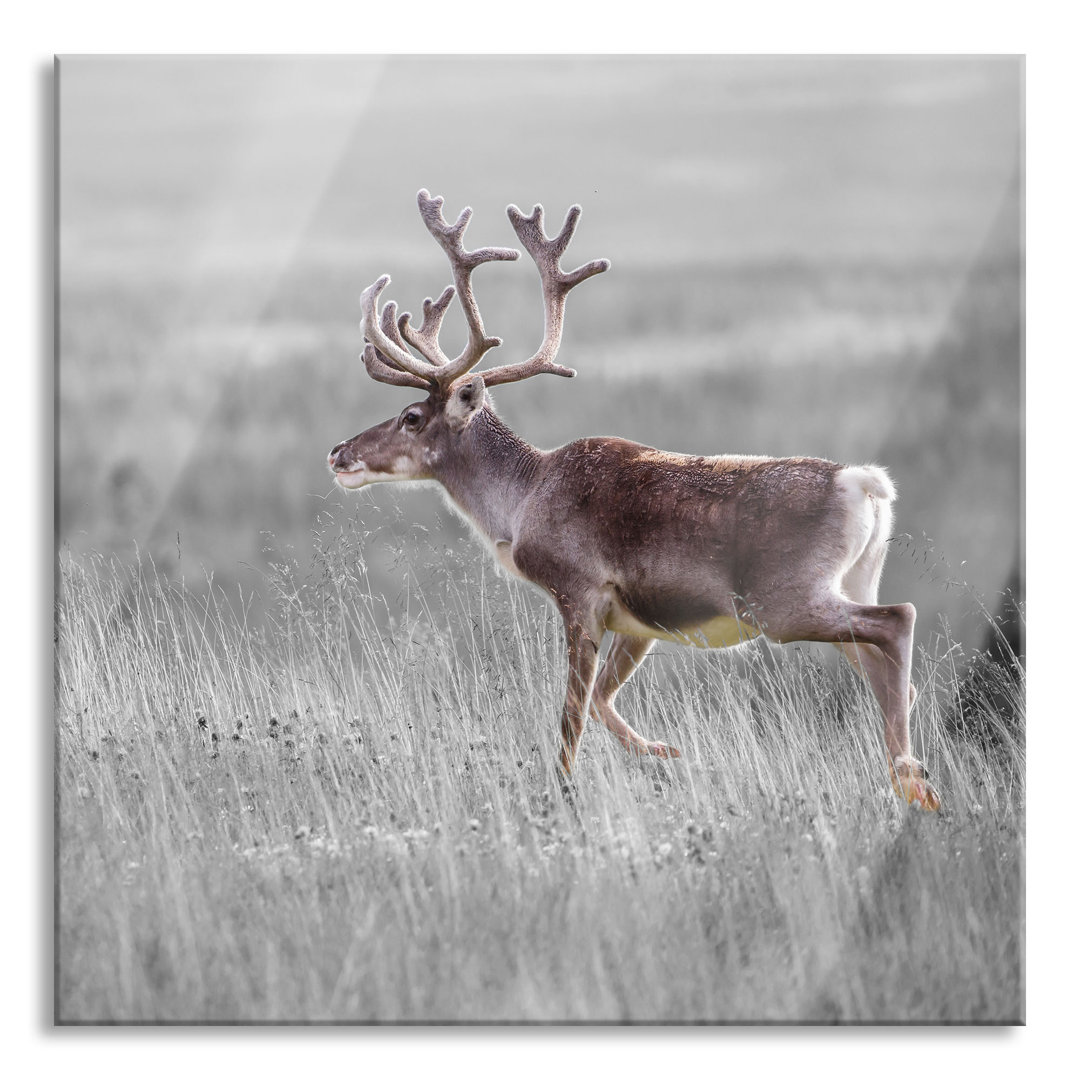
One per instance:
[(39, 30)]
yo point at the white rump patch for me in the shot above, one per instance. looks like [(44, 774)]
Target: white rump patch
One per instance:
[(869, 493), (869, 480)]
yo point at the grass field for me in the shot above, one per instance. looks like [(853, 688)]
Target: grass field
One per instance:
[(340, 814)]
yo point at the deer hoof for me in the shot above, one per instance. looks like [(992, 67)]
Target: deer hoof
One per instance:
[(910, 783), (659, 749)]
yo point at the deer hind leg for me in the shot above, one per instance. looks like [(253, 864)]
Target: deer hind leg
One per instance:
[(880, 637), (909, 778), (886, 667), (869, 662), (861, 584), (626, 653), (879, 644)]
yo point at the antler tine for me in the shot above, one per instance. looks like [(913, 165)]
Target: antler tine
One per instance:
[(378, 369), (426, 340), (389, 323), (391, 351), (462, 264), (555, 284)]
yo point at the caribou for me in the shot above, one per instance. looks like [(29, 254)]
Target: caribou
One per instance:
[(644, 544)]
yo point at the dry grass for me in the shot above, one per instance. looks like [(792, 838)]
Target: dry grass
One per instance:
[(338, 815)]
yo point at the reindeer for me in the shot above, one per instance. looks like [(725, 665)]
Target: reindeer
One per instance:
[(704, 551)]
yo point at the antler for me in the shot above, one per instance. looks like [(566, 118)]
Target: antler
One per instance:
[(388, 360), (379, 369), (391, 361), (555, 284), (426, 340), (383, 334), (462, 264)]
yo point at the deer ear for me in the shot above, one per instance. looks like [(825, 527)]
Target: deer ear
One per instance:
[(465, 401)]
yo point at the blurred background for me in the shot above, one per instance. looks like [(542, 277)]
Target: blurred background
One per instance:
[(810, 255)]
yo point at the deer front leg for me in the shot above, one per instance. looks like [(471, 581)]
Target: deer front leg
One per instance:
[(583, 638), (622, 661)]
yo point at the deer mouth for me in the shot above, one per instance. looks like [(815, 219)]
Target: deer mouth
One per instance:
[(360, 474), (356, 475), (348, 474)]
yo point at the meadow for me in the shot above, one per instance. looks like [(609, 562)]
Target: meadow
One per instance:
[(340, 814), (306, 745)]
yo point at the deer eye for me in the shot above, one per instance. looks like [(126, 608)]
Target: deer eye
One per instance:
[(412, 419)]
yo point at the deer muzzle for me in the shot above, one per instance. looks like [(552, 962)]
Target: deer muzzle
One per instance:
[(346, 465)]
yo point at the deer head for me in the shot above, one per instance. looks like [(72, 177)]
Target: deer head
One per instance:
[(411, 445)]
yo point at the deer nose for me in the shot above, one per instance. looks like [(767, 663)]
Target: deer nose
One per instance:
[(333, 459)]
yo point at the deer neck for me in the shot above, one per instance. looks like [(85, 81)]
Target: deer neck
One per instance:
[(488, 474)]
